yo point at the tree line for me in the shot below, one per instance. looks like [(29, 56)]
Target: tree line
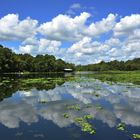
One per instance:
[(129, 65), (12, 62)]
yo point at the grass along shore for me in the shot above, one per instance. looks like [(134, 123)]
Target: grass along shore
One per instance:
[(119, 76)]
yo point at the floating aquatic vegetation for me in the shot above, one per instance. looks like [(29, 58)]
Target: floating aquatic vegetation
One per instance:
[(121, 126), (123, 77), (74, 107), (94, 106), (43, 80), (40, 83), (97, 95), (1, 84), (85, 126), (43, 102), (88, 117), (136, 136), (66, 115), (99, 107), (5, 81)]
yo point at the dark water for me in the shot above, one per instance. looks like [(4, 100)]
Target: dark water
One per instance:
[(23, 116)]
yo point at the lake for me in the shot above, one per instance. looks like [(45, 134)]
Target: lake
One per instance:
[(68, 107)]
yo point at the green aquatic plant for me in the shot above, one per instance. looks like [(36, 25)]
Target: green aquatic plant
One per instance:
[(5, 81), (43, 102), (121, 126), (97, 95), (85, 126), (119, 76), (1, 84), (40, 83), (136, 136), (42, 80), (99, 107), (66, 115), (88, 117), (74, 107)]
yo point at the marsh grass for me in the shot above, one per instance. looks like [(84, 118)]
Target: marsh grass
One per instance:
[(118, 76)]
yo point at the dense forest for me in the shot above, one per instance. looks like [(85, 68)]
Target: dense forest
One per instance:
[(129, 65), (11, 62)]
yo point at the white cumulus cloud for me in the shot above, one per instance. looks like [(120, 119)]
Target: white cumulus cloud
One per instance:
[(127, 25), (88, 41), (66, 28), (11, 28), (42, 46)]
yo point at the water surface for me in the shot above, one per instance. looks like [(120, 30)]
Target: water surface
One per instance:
[(34, 113)]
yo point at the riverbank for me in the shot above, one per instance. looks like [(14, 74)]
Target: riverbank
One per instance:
[(113, 76), (118, 76)]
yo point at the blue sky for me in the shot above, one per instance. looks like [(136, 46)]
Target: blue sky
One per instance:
[(44, 10), (79, 31)]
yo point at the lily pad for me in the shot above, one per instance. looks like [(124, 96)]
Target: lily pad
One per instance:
[(85, 126), (136, 136), (65, 115), (121, 126), (88, 117), (74, 107)]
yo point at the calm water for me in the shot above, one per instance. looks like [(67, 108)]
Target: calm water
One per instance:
[(23, 116)]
